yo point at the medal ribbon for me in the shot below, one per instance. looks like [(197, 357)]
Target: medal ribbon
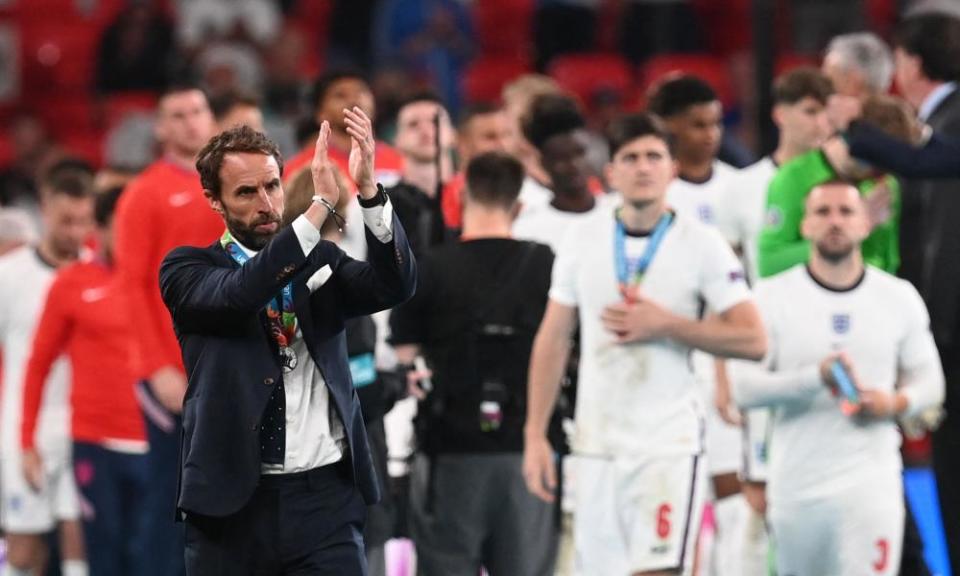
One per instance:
[(630, 271), (283, 320)]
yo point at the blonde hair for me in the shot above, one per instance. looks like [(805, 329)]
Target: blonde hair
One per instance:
[(522, 91)]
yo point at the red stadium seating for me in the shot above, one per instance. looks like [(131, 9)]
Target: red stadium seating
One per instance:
[(710, 69), (121, 104), (586, 74), (58, 57), (504, 27), (790, 60), (485, 77)]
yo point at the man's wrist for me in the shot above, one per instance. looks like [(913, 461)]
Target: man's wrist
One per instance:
[(533, 432), (371, 196)]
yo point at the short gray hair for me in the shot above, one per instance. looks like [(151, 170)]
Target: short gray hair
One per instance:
[(866, 53)]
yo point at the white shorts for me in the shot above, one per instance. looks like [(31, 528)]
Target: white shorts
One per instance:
[(756, 444), (858, 533), (24, 511), (637, 514)]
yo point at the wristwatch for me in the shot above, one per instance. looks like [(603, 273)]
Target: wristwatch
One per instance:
[(378, 200)]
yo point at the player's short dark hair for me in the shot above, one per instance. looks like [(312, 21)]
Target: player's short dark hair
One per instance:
[(69, 177), (628, 128), (104, 205), (677, 94), (234, 140), (935, 39), (800, 83), (222, 105), (422, 96), (550, 115), (494, 179), (323, 84), (473, 111), (179, 86)]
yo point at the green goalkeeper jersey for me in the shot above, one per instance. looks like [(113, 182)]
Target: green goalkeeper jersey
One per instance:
[(781, 245)]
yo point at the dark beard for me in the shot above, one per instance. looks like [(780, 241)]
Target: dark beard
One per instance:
[(248, 235), (834, 256)]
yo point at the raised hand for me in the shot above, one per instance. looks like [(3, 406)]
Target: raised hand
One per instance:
[(362, 151), (324, 180)]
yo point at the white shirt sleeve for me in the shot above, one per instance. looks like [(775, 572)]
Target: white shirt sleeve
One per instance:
[(922, 380), (307, 234), (759, 384), (723, 283), (379, 219), (563, 284)]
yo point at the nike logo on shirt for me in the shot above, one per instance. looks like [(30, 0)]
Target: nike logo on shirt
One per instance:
[(181, 199), (93, 294)]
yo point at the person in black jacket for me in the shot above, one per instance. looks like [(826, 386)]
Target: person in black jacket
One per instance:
[(478, 305), (275, 463)]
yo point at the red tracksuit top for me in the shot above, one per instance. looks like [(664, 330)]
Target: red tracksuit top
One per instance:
[(161, 209), (85, 318)]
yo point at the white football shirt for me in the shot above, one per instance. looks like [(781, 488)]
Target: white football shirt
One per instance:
[(746, 208), (547, 225), (24, 281), (641, 399), (706, 201), (882, 324)]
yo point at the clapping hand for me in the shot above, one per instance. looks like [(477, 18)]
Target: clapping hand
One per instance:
[(324, 181), (362, 151)]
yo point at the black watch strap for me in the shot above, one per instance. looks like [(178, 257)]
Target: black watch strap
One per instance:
[(378, 200)]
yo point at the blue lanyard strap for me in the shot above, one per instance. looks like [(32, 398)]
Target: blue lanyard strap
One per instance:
[(281, 314), (633, 269)]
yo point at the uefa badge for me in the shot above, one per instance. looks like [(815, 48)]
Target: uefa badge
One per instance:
[(841, 323)]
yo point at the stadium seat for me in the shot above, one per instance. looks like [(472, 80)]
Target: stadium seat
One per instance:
[(485, 78), (710, 69), (586, 74), (85, 144), (504, 27), (119, 105), (68, 113), (790, 60), (58, 57)]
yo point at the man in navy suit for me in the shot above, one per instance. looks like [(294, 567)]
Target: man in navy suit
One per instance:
[(275, 470)]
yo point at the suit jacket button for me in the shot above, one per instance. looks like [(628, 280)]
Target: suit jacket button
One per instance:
[(254, 427), (268, 381)]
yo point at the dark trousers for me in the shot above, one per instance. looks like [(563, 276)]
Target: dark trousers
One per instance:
[(164, 535), (112, 485), (946, 467), (912, 562), (304, 524)]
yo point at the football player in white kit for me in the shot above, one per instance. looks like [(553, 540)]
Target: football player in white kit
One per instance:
[(799, 112), (635, 276), (706, 189), (25, 276), (835, 493)]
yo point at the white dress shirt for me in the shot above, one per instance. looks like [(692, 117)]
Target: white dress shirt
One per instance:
[(314, 431)]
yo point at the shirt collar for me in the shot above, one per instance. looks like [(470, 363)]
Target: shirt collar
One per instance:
[(250, 253), (934, 99)]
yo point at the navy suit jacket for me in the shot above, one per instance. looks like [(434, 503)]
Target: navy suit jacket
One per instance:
[(939, 157), (232, 363)]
